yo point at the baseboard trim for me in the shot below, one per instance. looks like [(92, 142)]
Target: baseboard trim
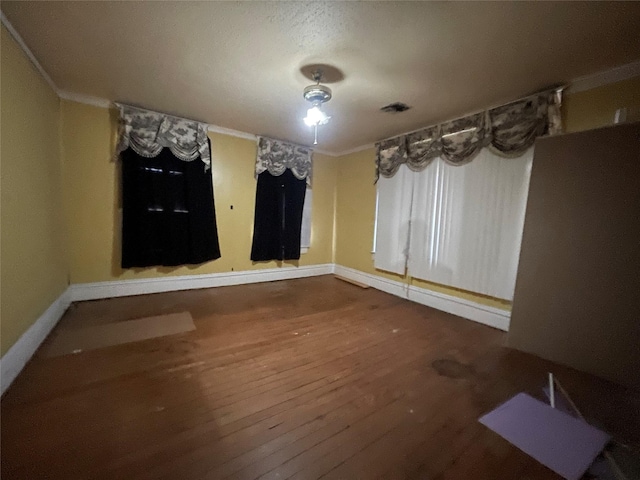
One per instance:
[(122, 288), (12, 362), (393, 287), (493, 317)]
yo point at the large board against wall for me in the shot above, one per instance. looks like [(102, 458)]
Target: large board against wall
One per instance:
[(577, 295)]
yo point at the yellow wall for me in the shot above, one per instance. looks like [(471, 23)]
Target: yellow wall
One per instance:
[(596, 108), (92, 196), (34, 268)]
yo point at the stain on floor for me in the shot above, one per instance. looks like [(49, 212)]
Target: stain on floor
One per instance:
[(447, 367)]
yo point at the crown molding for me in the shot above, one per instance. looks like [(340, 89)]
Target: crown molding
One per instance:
[(600, 79), (324, 152), (250, 136), (231, 132), (16, 36), (355, 150), (86, 99)]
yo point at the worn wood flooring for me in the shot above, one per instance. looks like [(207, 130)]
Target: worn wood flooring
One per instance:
[(302, 379)]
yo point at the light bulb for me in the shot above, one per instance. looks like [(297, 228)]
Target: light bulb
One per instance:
[(315, 116)]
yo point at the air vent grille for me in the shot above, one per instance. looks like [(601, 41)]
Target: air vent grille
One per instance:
[(397, 107)]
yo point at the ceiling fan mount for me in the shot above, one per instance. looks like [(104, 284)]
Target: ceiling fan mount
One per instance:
[(317, 93)]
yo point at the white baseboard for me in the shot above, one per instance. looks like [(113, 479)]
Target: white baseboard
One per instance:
[(493, 317), (121, 288), (393, 287), (12, 362)]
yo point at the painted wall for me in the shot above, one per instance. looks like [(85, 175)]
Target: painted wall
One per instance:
[(34, 264), (92, 200), (595, 108)]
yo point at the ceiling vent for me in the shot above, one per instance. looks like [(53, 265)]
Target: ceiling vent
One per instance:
[(397, 107)]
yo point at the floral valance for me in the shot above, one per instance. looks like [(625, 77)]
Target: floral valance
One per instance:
[(147, 133), (275, 156), (508, 130)]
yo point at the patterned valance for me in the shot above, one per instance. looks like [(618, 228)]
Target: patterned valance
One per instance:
[(147, 133), (275, 156), (508, 131)]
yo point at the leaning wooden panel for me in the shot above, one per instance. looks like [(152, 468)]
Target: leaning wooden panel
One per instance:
[(576, 299)]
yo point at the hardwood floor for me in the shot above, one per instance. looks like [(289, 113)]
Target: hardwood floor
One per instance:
[(302, 379)]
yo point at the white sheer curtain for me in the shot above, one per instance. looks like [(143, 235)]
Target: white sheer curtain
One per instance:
[(394, 213), (305, 230), (465, 225)]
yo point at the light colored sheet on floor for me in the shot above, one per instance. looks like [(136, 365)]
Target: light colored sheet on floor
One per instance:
[(565, 444), (118, 333)]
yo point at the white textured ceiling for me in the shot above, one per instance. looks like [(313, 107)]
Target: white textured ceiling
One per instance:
[(237, 64)]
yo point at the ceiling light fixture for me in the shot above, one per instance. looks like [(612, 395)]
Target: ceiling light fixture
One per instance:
[(317, 95)]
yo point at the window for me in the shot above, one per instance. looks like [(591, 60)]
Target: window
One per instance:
[(282, 221), (452, 197), (168, 213), (456, 225)]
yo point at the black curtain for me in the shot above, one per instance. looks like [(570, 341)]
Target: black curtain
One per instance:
[(168, 211), (278, 217)]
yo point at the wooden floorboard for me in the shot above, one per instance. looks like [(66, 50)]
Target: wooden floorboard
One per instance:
[(301, 379)]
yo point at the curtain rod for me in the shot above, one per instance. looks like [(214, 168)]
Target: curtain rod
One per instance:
[(559, 88), (120, 105)]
